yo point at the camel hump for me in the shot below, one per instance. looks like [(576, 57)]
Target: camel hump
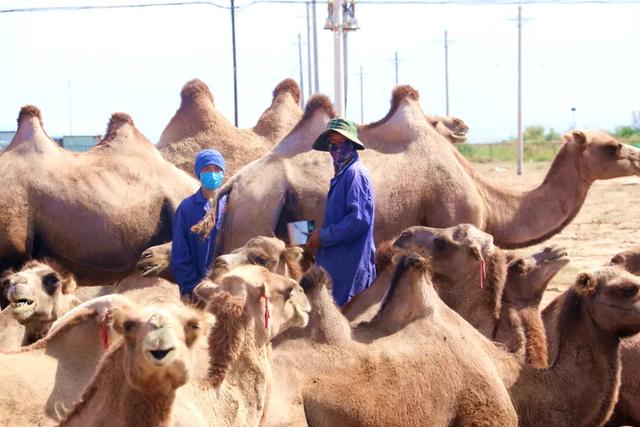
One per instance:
[(318, 103), (401, 93), (116, 122), (315, 277), (287, 86), (29, 111), (195, 89)]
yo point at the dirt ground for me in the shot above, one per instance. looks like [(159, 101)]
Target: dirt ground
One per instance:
[(607, 223)]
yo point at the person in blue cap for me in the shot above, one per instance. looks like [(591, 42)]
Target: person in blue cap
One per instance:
[(345, 241), (191, 255)]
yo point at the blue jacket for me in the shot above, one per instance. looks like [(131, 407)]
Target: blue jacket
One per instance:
[(347, 250), (191, 256)]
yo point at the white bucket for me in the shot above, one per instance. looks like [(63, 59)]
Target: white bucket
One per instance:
[(299, 232)]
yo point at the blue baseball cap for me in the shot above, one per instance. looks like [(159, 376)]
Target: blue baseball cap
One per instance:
[(209, 157)]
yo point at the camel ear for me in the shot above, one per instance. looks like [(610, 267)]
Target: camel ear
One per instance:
[(576, 136), (69, 285), (476, 251), (293, 254), (586, 283), (196, 326), (206, 289), (617, 259)]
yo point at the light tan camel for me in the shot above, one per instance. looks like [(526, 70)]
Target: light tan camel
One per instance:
[(419, 178), (137, 380), (40, 382), (589, 319), (38, 294), (198, 125), (452, 128), (72, 209), (268, 252), (413, 346)]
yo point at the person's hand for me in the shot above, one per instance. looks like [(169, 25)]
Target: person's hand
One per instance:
[(313, 244)]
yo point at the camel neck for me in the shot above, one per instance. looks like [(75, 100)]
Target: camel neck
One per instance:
[(583, 381), (145, 410), (523, 218), (326, 323)]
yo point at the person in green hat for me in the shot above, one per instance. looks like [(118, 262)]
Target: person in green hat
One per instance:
[(345, 241)]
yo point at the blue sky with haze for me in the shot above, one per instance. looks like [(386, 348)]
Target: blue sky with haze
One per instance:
[(95, 62)]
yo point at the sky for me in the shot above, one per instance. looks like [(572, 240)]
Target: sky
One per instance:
[(80, 66)]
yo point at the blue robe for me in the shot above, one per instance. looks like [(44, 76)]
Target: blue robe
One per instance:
[(347, 249), (191, 256)]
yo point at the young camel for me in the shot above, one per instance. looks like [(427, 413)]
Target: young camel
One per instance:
[(136, 382), (340, 377), (37, 294), (503, 306), (589, 319), (269, 252), (39, 382)]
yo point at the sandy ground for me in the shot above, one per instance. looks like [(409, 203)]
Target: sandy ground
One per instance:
[(607, 223)]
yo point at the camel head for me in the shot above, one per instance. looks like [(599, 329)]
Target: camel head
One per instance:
[(612, 297), (268, 252), (602, 156), (452, 128), (40, 292), (528, 276), (628, 260), (160, 342), (250, 304)]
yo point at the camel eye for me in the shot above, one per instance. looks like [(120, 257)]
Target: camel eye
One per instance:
[(612, 150), (128, 326), (193, 325), (440, 243), (259, 259), (629, 291), (50, 283)]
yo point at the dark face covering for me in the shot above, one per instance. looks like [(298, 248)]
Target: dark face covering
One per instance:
[(342, 155)]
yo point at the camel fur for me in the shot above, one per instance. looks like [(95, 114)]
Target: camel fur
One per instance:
[(72, 209), (198, 125)]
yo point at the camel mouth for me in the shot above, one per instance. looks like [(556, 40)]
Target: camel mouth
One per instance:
[(159, 355), (22, 305)]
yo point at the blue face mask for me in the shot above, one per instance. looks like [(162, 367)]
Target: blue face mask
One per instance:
[(211, 180)]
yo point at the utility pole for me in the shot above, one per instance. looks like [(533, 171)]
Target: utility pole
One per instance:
[(396, 65), (309, 53), (361, 96), (301, 69), (338, 58), (235, 73), (446, 68), (520, 136), (316, 87), (573, 112), (345, 71)]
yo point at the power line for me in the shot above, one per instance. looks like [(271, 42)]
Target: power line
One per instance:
[(111, 6)]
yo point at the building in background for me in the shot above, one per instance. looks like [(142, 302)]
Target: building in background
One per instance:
[(79, 143)]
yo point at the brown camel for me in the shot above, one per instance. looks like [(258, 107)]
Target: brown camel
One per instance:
[(198, 125), (413, 346), (76, 214), (452, 128), (137, 380), (39, 382), (503, 307), (38, 294), (268, 252), (438, 187), (627, 411)]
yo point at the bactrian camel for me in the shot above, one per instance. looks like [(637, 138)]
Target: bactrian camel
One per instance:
[(69, 206), (198, 125), (419, 178)]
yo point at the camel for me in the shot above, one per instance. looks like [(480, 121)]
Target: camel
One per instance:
[(419, 178), (627, 411), (268, 252), (76, 215), (137, 379), (503, 306), (343, 377), (197, 125), (38, 383), (589, 319), (38, 294), (452, 128)]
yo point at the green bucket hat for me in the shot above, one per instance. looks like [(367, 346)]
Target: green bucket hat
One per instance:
[(346, 128)]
